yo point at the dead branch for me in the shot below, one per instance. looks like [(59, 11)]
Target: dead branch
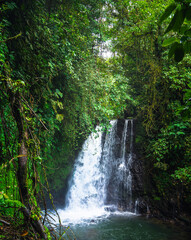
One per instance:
[(5, 222)]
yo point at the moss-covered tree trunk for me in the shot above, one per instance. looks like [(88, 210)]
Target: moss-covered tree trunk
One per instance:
[(17, 112), (22, 171)]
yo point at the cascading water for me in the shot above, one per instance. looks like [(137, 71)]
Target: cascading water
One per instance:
[(117, 159), (86, 189), (101, 175), (100, 191)]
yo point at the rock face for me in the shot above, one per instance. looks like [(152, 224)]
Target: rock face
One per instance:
[(125, 185), (145, 196)]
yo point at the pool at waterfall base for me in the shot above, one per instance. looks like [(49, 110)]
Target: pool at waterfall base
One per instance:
[(120, 226)]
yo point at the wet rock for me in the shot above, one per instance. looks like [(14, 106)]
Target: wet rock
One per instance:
[(110, 208)]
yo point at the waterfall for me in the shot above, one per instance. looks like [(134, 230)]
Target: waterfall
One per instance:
[(86, 189), (125, 170), (102, 173), (117, 162)]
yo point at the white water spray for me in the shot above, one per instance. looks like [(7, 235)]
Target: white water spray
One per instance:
[(100, 178)]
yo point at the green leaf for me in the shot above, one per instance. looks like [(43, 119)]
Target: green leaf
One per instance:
[(167, 12), (169, 41), (171, 25), (15, 202), (179, 53), (59, 117), (177, 50), (180, 133), (187, 95), (180, 19), (183, 29), (176, 21), (172, 49), (58, 93)]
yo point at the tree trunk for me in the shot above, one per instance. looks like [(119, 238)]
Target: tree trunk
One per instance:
[(22, 165), (22, 172)]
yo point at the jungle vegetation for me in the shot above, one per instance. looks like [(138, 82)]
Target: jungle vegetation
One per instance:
[(56, 85)]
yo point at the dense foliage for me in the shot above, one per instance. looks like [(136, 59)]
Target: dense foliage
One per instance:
[(160, 88), (55, 86)]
